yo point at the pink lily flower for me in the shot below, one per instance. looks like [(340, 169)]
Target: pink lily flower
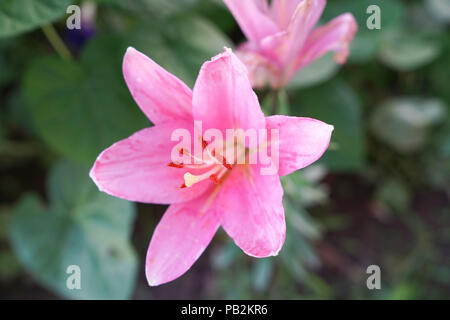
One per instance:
[(282, 39), (247, 204)]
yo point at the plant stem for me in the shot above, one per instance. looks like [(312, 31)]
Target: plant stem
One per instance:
[(57, 42), (275, 101)]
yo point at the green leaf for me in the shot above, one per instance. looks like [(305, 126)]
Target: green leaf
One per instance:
[(79, 109), (82, 227), (18, 16), (315, 73), (181, 45), (406, 51), (403, 123), (337, 104)]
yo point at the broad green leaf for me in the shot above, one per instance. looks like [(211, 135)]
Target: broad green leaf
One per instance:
[(315, 73), (79, 109), (181, 45), (406, 51), (80, 226), (337, 104), (403, 123), (18, 16)]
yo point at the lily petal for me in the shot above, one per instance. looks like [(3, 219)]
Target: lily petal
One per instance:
[(180, 238), (305, 17), (223, 96), (253, 16), (336, 35), (251, 210), (160, 95), (283, 10), (302, 141), (137, 168)]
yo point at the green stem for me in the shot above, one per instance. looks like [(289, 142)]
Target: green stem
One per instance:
[(275, 101), (57, 42)]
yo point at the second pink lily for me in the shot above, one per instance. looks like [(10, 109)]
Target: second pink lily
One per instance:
[(282, 39)]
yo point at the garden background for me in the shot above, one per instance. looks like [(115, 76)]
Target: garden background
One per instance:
[(379, 196)]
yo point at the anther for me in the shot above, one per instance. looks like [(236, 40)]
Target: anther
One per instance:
[(175, 165), (190, 179), (214, 179), (204, 144)]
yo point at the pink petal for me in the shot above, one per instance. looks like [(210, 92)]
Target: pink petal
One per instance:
[(283, 10), (251, 210), (223, 96), (336, 35), (160, 95), (302, 141), (305, 17), (180, 238), (259, 67), (253, 16), (136, 168)]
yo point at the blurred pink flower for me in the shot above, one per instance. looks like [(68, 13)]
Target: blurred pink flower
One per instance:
[(247, 204), (281, 39)]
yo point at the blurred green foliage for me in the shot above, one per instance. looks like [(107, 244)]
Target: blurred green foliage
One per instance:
[(380, 195), (80, 226)]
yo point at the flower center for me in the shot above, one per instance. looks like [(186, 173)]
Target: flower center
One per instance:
[(213, 160)]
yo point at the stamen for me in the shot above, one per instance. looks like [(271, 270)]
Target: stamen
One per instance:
[(190, 179), (175, 165), (227, 165), (204, 144), (188, 154), (214, 178)]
